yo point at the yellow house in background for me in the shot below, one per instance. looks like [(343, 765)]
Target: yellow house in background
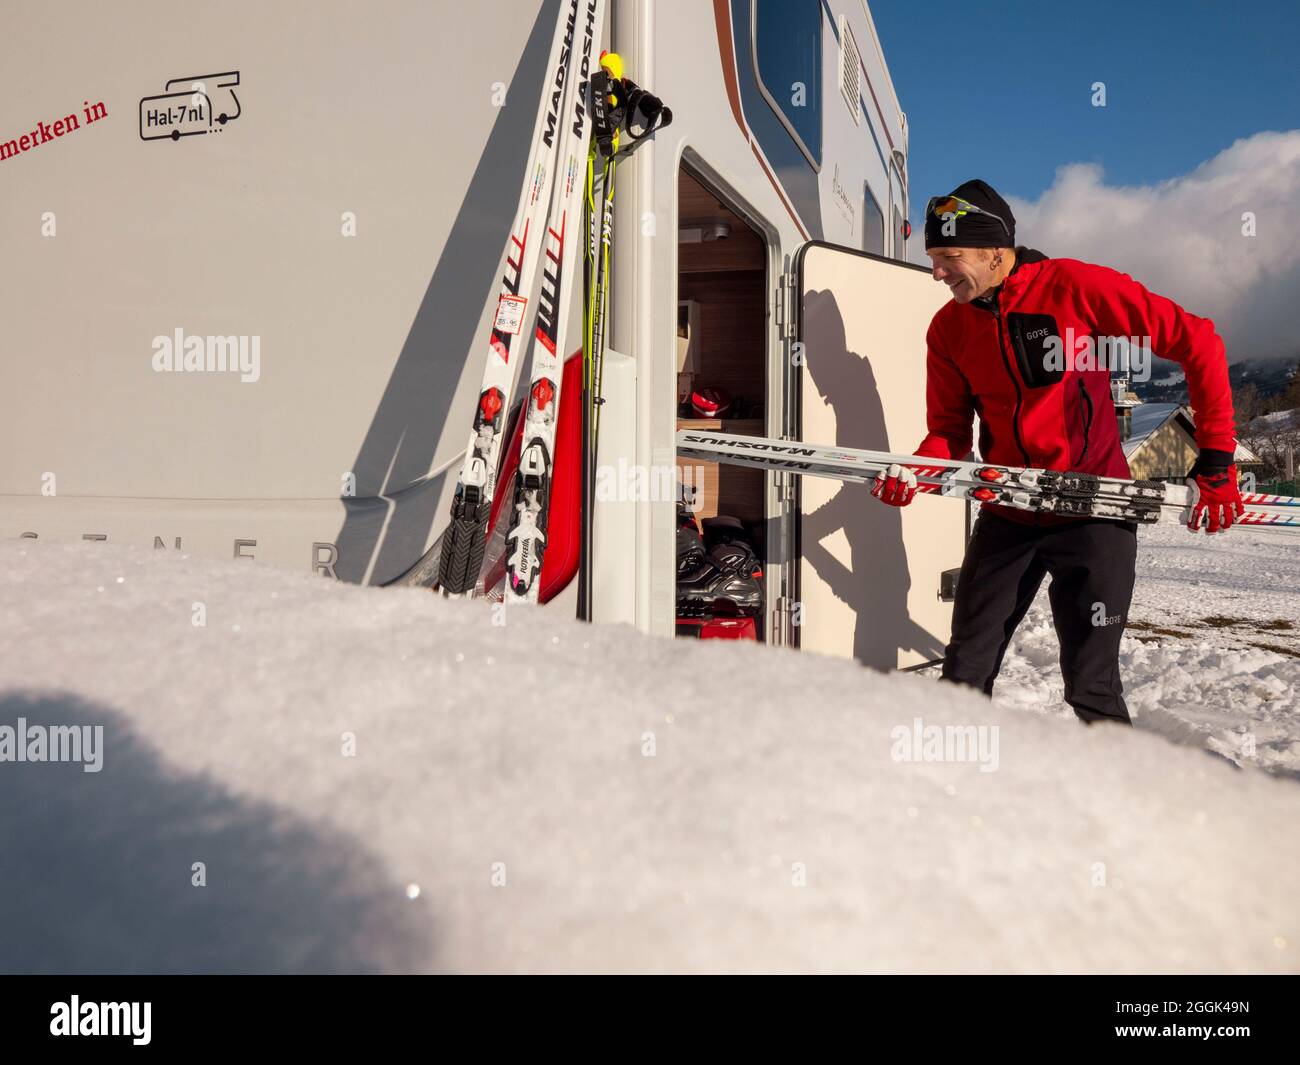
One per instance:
[(1161, 445)]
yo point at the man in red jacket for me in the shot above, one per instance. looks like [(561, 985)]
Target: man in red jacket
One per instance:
[(1012, 347)]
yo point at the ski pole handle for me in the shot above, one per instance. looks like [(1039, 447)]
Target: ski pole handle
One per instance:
[(646, 106)]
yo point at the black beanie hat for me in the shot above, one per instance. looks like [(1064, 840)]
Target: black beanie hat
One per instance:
[(973, 230)]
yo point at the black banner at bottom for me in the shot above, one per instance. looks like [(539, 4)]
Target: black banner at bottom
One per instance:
[(335, 1014)]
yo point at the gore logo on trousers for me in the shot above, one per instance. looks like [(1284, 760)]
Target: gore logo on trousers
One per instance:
[(1100, 619), (1034, 337)]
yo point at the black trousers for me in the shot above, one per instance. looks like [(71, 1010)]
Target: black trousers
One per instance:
[(1091, 563)]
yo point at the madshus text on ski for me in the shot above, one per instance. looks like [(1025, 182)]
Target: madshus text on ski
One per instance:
[(589, 107)]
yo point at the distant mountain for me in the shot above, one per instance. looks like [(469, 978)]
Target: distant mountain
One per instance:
[(1167, 391), (1270, 380), (1278, 420)]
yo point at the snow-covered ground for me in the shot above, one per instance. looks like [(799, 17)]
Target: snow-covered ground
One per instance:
[(1211, 656), (378, 780)]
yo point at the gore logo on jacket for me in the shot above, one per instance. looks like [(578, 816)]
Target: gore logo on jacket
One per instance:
[(1037, 343), (1001, 359)]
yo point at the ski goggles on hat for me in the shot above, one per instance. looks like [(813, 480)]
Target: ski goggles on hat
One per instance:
[(955, 205)]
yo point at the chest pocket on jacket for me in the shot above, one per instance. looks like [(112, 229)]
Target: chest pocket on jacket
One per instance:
[(1036, 340)]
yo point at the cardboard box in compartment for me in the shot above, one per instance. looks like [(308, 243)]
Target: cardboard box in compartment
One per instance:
[(688, 347), (719, 489)]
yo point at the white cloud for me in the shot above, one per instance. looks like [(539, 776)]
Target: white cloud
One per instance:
[(1183, 237)]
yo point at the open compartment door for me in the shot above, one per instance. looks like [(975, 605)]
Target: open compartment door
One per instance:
[(869, 575)]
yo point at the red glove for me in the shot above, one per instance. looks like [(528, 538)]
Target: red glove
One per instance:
[(1215, 477), (895, 486)]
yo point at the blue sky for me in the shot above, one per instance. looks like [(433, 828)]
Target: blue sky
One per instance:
[(1002, 90)]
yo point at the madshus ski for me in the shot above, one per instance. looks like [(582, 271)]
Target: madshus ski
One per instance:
[(611, 106), (464, 540), (526, 537), (1075, 494)]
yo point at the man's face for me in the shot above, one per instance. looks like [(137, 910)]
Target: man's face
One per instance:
[(966, 271)]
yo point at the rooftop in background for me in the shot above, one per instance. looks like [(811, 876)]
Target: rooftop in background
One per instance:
[(1149, 417)]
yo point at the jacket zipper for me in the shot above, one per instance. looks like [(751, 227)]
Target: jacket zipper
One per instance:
[(1087, 423), (1015, 414)]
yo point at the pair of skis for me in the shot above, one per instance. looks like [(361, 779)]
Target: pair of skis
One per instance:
[(1074, 494), (549, 202), (584, 115)]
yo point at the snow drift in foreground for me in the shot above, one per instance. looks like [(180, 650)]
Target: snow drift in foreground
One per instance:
[(546, 796)]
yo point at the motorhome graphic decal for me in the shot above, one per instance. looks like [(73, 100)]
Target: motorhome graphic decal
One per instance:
[(191, 106)]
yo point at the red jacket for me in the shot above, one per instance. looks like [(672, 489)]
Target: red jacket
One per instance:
[(988, 357)]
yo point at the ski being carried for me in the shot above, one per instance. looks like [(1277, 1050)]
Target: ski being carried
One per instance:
[(1045, 491)]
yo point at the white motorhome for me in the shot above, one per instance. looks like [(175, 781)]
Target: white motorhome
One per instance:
[(322, 197)]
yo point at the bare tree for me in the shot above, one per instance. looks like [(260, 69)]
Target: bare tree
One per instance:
[(1246, 405), (1291, 397), (1269, 437)]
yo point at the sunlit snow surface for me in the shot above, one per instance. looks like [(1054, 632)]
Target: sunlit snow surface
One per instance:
[(546, 796)]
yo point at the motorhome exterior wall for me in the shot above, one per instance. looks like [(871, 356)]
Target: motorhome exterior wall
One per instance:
[(351, 218), (348, 220), (856, 130)]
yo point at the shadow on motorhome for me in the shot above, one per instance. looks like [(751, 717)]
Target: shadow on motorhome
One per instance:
[(398, 498), (876, 580)]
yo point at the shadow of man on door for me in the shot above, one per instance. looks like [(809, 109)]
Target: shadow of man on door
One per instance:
[(875, 582)]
